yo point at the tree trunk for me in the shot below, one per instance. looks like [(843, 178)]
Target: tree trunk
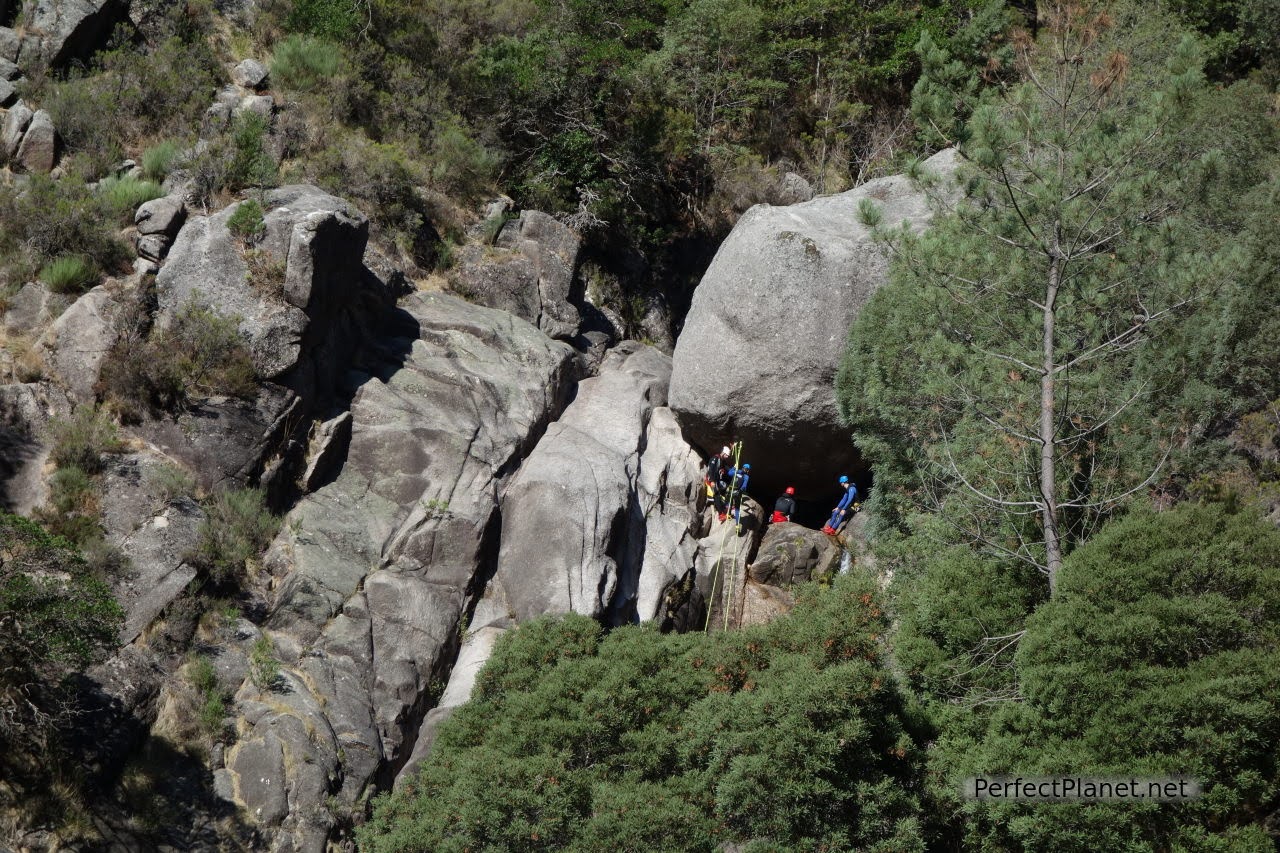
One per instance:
[(1048, 444)]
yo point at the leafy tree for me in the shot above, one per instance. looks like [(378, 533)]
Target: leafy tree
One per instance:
[(55, 620), (793, 732), (1159, 657), (1037, 290)]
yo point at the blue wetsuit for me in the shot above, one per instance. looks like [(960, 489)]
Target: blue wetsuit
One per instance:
[(738, 480), (850, 495)]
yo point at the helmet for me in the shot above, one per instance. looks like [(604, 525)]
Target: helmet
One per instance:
[(746, 466), (791, 490), (724, 451), (843, 480)]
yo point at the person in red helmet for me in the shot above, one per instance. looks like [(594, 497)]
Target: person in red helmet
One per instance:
[(784, 506)]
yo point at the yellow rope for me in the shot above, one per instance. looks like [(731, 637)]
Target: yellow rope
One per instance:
[(717, 569)]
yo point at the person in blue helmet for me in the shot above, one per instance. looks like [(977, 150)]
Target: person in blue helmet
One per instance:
[(738, 479), (841, 512)]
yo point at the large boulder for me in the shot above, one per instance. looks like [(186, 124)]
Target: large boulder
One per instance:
[(163, 215), (791, 553), (302, 294), (16, 122), (228, 441), (529, 271), (250, 74), (58, 32), (38, 151), (766, 330), (572, 534), (10, 44), (372, 573), (77, 343)]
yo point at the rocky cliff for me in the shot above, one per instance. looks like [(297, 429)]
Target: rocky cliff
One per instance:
[(447, 469)]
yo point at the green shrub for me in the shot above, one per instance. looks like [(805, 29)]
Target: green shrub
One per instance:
[(69, 274), (247, 222), (173, 481), (72, 510), (129, 94), (200, 354), (55, 219), (203, 677), (381, 178), (237, 528), (1158, 656), (251, 164), (104, 558), (264, 669), (123, 195), (71, 490), (213, 711), (59, 618), (460, 164), (792, 732), (160, 159), (336, 20), (304, 63), (84, 440)]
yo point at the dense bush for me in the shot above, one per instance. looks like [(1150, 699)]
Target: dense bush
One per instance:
[(201, 353), (53, 219), (73, 510), (237, 528), (1160, 657), (128, 94), (57, 620), (792, 732)]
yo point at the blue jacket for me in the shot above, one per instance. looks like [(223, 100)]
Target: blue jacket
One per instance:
[(738, 480), (849, 496)]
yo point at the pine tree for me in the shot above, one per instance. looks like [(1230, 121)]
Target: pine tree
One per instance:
[(1047, 276)]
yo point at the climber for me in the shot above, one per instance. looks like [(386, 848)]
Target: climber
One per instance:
[(717, 467), (738, 479), (784, 506), (839, 514)]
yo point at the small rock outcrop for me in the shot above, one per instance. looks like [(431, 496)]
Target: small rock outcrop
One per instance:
[(766, 330), (250, 74), (302, 294), (38, 150), (25, 411), (77, 343), (16, 121), (791, 553), (671, 497), (529, 271)]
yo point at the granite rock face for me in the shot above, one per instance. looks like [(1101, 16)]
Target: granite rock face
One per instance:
[(374, 570), (529, 271), (766, 330), (572, 533), (60, 31)]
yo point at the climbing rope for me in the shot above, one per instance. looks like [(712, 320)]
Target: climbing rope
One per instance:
[(717, 568)]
